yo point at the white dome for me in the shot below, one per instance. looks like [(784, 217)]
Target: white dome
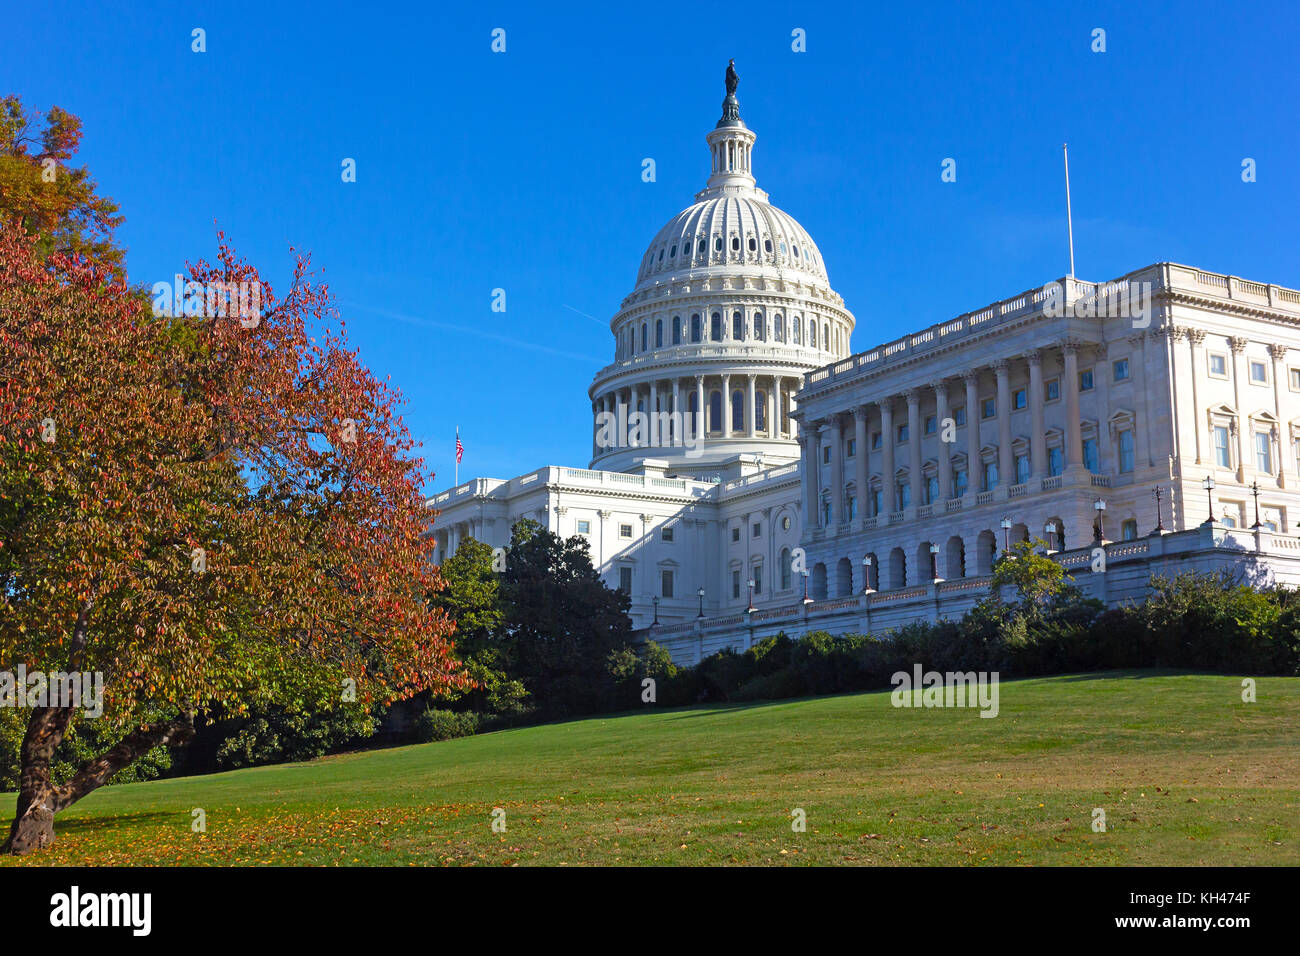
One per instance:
[(732, 230)]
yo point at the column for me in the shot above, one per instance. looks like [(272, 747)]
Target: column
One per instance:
[(595, 427), (750, 403), (620, 420), (1073, 439), (836, 439), (789, 406), (815, 441), (942, 415), (1107, 455), (1284, 473), (726, 424), (1037, 417), (887, 455), (701, 423), (678, 419), (1006, 460), (808, 482), (652, 408), (1238, 345), (914, 446), (863, 475), (972, 380), (1195, 337), (773, 409)]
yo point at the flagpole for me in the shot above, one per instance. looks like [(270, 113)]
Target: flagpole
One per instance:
[(456, 455), (1069, 216)]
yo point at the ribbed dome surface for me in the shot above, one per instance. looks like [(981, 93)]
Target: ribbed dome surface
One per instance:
[(733, 230)]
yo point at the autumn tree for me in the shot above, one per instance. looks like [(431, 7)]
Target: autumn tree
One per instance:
[(48, 197), (211, 510)]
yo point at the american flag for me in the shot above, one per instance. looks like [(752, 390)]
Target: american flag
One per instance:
[(460, 449)]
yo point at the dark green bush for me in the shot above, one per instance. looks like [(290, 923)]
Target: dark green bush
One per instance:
[(436, 724)]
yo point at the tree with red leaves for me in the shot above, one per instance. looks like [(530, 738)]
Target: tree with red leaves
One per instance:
[(216, 507)]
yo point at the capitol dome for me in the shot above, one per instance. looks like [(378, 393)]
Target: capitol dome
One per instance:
[(732, 307)]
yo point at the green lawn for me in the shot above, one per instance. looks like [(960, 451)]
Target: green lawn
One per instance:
[(1186, 772)]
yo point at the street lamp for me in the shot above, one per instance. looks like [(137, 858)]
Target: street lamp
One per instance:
[(866, 574), (751, 595), (655, 601), (1006, 535), (1160, 518), (700, 592), (1050, 528), (1099, 506), (1208, 485), (934, 562), (1254, 490), (806, 598)]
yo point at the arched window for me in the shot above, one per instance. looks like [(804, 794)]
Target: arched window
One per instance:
[(717, 244), (700, 248), (695, 327), (715, 411), (778, 328), (812, 335), (737, 326), (659, 333), (672, 253), (767, 245), (759, 332), (786, 566), (677, 330), (760, 410), (644, 337), (798, 331), (737, 410), (753, 244), (735, 243), (715, 327)]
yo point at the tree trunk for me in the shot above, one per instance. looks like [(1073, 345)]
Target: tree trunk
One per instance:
[(33, 826)]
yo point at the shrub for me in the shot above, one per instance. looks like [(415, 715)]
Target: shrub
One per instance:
[(436, 724)]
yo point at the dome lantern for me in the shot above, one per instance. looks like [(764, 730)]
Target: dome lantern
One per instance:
[(731, 144)]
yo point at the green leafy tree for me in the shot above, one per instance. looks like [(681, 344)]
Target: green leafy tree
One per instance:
[(1039, 581)]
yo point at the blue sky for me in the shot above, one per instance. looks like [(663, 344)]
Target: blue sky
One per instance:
[(522, 170)]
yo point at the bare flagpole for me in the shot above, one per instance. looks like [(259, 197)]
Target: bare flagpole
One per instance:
[(1069, 217)]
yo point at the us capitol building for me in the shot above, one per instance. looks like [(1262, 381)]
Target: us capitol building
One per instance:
[(750, 474)]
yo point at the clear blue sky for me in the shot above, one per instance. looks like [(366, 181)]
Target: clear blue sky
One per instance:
[(523, 170)]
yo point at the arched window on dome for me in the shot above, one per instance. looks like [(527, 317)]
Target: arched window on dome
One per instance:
[(798, 330), (717, 244), (677, 330), (672, 251), (737, 410), (782, 247), (812, 335), (767, 245), (737, 326), (645, 341), (760, 332), (661, 253), (753, 244), (715, 327), (760, 411), (695, 327), (796, 250), (715, 411), (700, 247), (735, 243), (778, 328), (659, 333)]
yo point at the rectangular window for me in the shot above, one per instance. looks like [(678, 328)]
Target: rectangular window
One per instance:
[(1264, 452), (959, 482), (666, 583), (735, 534), (1022, 469), (1018, 399), (931, 424), (1222, 450), (1258, 373), (877, 501), (904, 495), (902, 433), (758, 579), (875, 439), (959, 415), (1055, 461), (989, 408), (625, 531), (932, 489), (1128, 530), (1119, 369), (852, 448), (666, 534), (1085, 380), (826, 455), (625, 580), (758, 529), (826, 514), (1218, 365), (990, 475), (735, 584), (1126, 450), (1295, 379), (1295, 446), (1091, 460), (853, 507), (584, 527), (1052, 389)]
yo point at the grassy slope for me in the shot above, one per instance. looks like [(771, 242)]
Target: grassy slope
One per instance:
[(1186, 772)]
